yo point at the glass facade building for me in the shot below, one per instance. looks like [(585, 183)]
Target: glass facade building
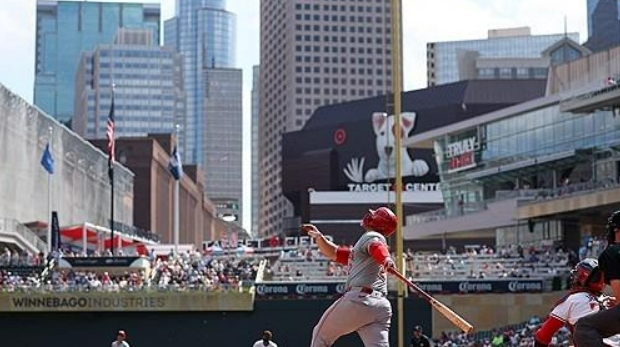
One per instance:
[(223, 138), (255, 102), (149, 96), (603, 24), (546, 170), (590, 7), (66, 29), (204, 33), (540, 133), (444, 58)]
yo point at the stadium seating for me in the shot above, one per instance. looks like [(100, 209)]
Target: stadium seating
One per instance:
[(309, 265), (484, 266), (519, 335), (185, 271), (305, 265)]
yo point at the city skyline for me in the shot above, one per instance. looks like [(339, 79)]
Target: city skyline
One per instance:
[(422, 24), (149, 97), (333, 53), (67, 29), (203, 31)]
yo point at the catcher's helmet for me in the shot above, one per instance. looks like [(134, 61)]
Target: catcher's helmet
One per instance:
[(587, 274), (381, 220), (613, 223)]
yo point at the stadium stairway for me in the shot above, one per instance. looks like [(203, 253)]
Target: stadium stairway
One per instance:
[(46, 273), (12, 232)]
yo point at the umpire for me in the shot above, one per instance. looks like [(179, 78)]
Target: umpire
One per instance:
[(590, 330)]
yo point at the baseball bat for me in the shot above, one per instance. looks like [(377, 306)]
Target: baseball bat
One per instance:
[(452, 316)]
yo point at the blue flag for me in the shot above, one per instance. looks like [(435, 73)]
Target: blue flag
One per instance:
[(174, 166), (47, 161)]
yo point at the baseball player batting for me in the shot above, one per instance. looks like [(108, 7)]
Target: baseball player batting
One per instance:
[(584, 297), (364, 307)]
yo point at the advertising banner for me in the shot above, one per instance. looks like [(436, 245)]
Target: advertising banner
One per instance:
[(326, 289), (125, 301), (365, 147), (299, 289), (100, 261), (483, 286)]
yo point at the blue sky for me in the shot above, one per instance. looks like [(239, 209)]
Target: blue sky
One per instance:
[(423, 21)]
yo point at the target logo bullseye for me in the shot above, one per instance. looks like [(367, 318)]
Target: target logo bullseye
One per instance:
[(340, 136)]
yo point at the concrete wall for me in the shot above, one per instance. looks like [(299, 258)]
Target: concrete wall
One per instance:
[(80, 184)]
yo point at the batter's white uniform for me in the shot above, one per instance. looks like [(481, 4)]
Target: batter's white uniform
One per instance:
[(364, 307), (577, 305), (120, 344)]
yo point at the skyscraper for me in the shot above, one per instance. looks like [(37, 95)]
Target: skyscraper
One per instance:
[(223, 139), (64, 30), (453, 61), (149, 96), (255, 89), (313, 53), (603, 24), (204, 33)]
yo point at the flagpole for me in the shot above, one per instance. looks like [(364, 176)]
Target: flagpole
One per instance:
[(397, 87), (176, 202), (49, 197)]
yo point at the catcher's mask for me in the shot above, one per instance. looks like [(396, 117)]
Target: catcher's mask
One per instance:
[(588, 275)]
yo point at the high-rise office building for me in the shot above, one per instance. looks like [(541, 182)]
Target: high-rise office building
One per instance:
[(453, 61), (149, 96), (204, 33), (223, 140), (313, 53), (254, 170), (603, 24), (64, 30)]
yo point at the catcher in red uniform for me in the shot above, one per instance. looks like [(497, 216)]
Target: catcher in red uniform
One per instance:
[(585, 297)]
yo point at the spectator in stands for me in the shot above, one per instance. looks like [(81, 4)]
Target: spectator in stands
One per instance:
[(419, 339), (120, 340), (265, 341), (498, 340)]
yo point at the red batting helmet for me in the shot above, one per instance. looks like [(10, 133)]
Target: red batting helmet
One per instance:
[(587, 274), (381, 220)]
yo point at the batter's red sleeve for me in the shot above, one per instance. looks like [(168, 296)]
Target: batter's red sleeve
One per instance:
[(342, 255), (548, 329), (379, 252)]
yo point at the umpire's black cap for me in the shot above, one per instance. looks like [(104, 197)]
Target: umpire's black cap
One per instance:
[(417, 328)]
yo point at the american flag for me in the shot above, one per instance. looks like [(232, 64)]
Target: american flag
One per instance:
[(110, 134)]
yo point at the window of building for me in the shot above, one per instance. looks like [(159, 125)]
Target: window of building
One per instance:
[(486, 73), (523, 72)]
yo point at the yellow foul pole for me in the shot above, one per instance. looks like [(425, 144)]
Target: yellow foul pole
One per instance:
[(397, 75)]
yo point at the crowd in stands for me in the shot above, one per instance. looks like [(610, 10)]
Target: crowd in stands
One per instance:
[(483, 262), (203, 270), (20, 258), (521, 335), (196, 270), (190, 270), (508, 262)]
